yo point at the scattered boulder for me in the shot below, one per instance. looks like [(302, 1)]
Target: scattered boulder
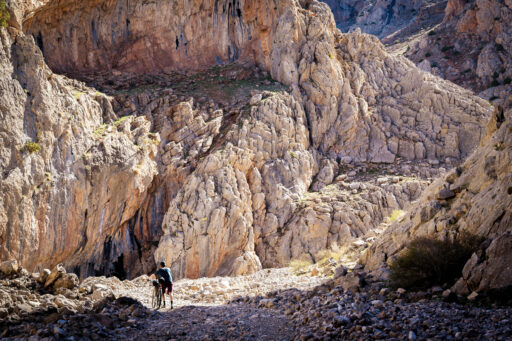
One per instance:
[(67, 281), (352, 281), (9, 267), (54, 275)]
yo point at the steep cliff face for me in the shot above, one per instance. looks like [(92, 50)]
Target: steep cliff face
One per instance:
[(141, 36), (475, 198), (68, 180), (253, 181)]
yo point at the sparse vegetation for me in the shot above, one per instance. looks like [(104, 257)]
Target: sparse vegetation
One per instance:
[(396, 214), (121, 120), (77, 94), (100, 130), (4, 14), (500, 48), (499, 146), (31, 147), (507, 81), (494, 83), (293, 155), (299, 267), (428, 54), (328, 254), (446, 48), (428, 262), (432, 33)]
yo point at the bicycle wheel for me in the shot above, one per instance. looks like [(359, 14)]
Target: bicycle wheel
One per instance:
[(156, 299), (159, 297)]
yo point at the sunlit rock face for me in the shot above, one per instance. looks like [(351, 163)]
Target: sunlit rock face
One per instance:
[(68, 181), (140, 36), (230, 196)]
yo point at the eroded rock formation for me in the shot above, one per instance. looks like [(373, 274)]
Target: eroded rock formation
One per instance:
[(388, 20), (235, 188), (67, 180), (473, 198), (135, 36), (472, 47)]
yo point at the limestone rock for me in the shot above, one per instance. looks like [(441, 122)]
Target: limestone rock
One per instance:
[(67, 281), (485, 199), (237, 189), (9, 267), (472, 47), (58, 160), (386, 18)]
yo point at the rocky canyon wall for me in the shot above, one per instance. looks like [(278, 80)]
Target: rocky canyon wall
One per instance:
[(145, 36), (65, 188), (238, 194), (475, 198), (388, 20), (470, 47)]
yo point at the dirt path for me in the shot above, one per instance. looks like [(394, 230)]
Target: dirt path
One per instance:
[(231, 322)]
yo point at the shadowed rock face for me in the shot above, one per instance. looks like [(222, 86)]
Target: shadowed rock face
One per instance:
[(472, 47), (139, 36), (387, 19)]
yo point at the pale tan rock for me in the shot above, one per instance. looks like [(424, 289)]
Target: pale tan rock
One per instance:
[(229, 198), (57, 194), (9, 267), (480, 207)]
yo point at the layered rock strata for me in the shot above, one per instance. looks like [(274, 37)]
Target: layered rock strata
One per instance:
[(474, 198)]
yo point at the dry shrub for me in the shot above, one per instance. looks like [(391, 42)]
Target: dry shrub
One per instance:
[(428, 262)]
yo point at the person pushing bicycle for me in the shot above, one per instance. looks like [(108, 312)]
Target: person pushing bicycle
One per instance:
[(164, 276)]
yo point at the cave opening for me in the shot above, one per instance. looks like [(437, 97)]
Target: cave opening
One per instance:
[(177, 43), (39, 41), (119, 271)]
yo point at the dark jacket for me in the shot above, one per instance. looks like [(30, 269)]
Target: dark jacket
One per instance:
[(164, 273)]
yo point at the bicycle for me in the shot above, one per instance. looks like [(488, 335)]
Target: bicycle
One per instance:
[(156, 299)]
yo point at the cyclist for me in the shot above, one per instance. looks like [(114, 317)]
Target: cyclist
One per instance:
[(164, 276)]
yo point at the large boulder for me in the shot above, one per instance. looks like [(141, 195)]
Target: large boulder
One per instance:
[(9, 267), (67, 281)]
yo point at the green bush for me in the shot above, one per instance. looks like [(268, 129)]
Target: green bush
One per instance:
[(428, 262), (4, 14), (31, 147)]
